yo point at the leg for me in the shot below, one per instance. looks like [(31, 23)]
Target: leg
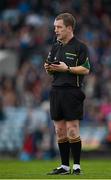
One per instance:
[(63, 144), (64, 148), (75, 142)]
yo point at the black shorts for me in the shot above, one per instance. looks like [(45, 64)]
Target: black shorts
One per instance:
[(66, 103)]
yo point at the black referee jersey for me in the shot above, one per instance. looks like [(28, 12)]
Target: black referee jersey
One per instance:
[(74, 53)]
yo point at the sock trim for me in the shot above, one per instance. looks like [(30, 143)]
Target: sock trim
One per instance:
[(74, 140), (63, 140)]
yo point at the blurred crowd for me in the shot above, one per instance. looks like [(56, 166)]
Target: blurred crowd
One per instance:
[(26, 27)]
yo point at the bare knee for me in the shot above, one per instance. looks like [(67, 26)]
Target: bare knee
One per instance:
[(60, 130), (73, 130), (60, 134)]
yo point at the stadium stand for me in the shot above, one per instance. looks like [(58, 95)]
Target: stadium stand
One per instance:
[(25, 39)]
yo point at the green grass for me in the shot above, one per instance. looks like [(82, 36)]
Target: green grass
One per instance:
[(92, 169)]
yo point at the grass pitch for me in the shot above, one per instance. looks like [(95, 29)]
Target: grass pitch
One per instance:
[(91, 169)]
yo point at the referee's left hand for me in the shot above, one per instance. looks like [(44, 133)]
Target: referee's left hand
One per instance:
[(62, 67)]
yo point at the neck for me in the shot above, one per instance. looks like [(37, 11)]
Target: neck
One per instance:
[(68, 38)]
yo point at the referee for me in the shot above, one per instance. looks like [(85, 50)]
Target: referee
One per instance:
[(67, 62)]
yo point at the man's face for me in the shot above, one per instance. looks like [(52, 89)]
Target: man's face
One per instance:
[(61, 30)]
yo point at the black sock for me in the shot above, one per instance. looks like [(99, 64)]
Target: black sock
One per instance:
[(64, 149), (76, 151)]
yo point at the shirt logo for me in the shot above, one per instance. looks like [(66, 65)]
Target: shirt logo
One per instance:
[(70, 55), (67, 57)]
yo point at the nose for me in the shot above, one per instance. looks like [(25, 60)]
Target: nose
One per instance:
[(56, 30)]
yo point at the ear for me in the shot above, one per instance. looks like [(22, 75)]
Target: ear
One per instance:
[(69, 28)]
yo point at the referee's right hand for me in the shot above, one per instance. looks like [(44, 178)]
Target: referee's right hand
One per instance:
[(47, 68)]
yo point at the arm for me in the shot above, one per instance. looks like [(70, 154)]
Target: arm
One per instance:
[(82, 69), (62, 67), (48, 71), (50, 58), (78, 70)]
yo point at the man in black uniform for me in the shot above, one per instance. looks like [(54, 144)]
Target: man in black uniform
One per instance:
[(68, 62)]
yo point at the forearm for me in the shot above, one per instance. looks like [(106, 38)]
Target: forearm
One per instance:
[(79, 70), (62, 67)]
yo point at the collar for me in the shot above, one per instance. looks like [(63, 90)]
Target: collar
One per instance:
[(71, 41)]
